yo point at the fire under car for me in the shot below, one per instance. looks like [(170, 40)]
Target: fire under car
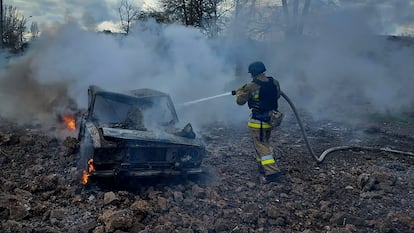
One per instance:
[(135, 134)]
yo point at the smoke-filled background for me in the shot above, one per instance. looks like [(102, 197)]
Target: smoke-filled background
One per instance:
[(344, 64)]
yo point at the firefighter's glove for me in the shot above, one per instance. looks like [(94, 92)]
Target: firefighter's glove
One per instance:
[(233, 92)]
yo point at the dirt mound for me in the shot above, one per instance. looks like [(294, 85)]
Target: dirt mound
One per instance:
[(350, 192)]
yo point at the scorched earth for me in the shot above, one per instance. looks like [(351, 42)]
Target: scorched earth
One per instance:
[(351, 191)]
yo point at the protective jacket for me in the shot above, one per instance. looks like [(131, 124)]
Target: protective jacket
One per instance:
[(262, 96)]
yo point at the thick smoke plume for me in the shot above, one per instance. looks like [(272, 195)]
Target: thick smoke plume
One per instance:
[(345, 64), (173, 59), (351, 67), (22, 97), (348, 67)]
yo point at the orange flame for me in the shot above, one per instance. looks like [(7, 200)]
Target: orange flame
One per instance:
[(86, 174), (70, 122), (91, 167), (85, 177)]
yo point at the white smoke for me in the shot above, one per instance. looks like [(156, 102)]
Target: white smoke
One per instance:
[(350, 65), (174, 59), (346, 64), (347, 68)]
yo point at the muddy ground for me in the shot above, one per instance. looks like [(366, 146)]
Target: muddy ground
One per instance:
[(351, 191)]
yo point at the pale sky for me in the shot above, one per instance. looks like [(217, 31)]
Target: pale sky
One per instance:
[(101, 13)]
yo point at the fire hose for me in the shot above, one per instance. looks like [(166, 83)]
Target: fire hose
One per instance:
[(337, 148), (320, 158)]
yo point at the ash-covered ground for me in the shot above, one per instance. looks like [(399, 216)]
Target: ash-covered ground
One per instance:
[(351, 191)]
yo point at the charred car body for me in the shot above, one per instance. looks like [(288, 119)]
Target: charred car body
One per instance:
[(134, 134)]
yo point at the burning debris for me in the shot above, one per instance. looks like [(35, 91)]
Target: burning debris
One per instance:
[(70, 122), (86, 174)]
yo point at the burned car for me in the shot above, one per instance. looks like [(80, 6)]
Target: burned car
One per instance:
[(135, 134)]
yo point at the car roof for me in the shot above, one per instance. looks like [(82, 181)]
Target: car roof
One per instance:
[(137, 93)]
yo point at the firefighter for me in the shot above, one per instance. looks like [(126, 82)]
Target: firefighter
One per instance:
[(262, 96)]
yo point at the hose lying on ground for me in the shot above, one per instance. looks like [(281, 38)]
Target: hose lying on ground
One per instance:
[(338, 148)]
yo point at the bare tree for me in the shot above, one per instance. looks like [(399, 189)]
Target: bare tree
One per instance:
[(203, 14), (34, 30), (256, 19), (214, 17), (128, 13), (238, 6), (179, 11), (14, 25), (295, 23), (158, 16)]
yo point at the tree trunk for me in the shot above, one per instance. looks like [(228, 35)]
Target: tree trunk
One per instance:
[(237, 9), (295, 12), (1, 23), (286, 11), (184, 8), (305, 12), (295, 24)]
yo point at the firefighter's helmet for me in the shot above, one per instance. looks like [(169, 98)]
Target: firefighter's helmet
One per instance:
[(256, 68)]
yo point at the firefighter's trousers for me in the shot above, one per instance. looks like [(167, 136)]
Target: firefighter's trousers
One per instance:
[(264, 152)]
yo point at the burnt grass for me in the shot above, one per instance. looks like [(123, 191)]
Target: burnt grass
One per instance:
[(351, 191)]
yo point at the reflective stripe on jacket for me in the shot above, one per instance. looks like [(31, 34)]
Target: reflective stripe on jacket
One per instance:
[(256, 124), (267, 160)]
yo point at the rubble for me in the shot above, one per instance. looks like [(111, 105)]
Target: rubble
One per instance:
[(350, 192)]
